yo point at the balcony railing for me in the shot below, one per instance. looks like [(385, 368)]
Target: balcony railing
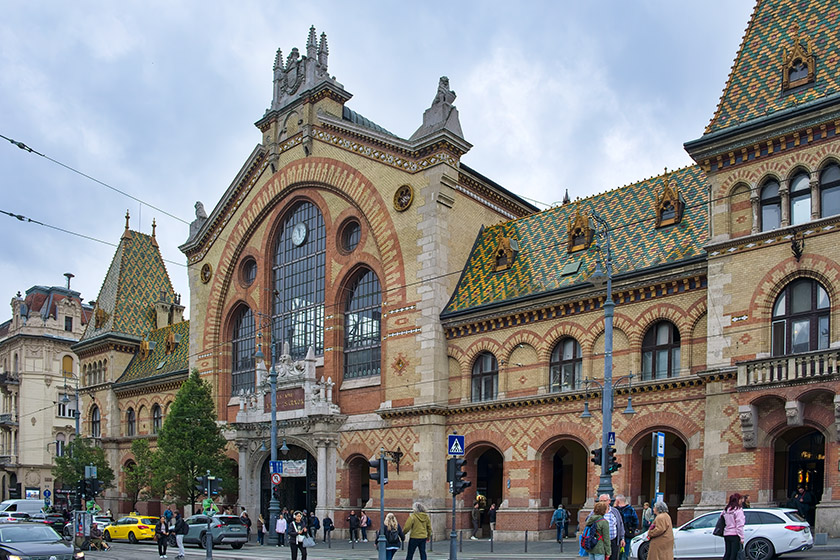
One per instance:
[(810, 366)]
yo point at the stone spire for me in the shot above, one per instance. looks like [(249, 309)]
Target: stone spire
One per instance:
[(442, 115), (312, 43), (323, 52)]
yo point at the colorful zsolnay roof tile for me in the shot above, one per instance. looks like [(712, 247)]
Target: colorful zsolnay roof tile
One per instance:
[(636, 244), (133, 284), (754, 88), (158, 362)]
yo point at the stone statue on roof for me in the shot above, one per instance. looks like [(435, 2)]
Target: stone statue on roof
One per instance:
[(442, 115)]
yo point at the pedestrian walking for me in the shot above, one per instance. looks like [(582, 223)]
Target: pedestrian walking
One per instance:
[(328, 528), (647, 516), (419, 526), (733, 531), (162, 535), (314, 525), (601, 526), (168, 514), (613, 517), (394, 536), (558, 519), (476, 520), (364, 523), (661, 534), (491, 517), (296, 531), (353, 524), (181, 528), (243, 517), (260, 529), (280, 528), (631, 523)]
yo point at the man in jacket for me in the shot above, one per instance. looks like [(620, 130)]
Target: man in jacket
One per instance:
[(181, 529), (558, 519), (476, 521), (419, 526), (353, 523), (613, 517), (630, 520)]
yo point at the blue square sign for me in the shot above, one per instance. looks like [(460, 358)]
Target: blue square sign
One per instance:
[(456, 445), (275, 467)]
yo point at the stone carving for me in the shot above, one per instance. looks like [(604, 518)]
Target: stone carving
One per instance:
[(442, 115), (301, 73), (749, 425), (794, 411), (837, 417), (200, 213), (200, 219)]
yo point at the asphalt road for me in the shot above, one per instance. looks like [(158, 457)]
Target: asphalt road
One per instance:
[(341, 551)]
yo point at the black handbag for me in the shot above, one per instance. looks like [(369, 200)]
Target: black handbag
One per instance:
[(719, 526)]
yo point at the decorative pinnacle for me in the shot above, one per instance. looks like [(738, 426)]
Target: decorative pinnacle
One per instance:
[(311, 42), (126, 234), (278, 60), (154, 225), (127, 217), (323, 47)]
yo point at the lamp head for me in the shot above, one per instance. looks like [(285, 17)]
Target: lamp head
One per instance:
[(598, 278), (284, 449), (586, 413)]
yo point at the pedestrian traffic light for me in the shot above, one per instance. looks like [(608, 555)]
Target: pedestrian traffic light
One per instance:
[(612, 464), (596, 456), (379, 470), (215, 485), (455, 474), (201, 484)]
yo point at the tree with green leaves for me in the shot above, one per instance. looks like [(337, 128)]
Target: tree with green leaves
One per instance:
[(79, 453), (190, 442), (138, 474)]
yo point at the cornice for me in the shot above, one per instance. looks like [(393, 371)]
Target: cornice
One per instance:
[(166, 382), (773, 238)]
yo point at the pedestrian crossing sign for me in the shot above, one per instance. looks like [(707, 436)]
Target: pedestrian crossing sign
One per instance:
[(456, 445)]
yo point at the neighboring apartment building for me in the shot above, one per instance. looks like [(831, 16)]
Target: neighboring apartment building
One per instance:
[(38, 388)]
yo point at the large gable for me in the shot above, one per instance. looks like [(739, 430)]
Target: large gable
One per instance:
[(755, 85), (540, 265)]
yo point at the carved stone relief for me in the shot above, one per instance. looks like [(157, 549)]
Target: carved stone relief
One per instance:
[(749, 425)]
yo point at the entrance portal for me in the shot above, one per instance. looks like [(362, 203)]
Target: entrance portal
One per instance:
[(298, 489), (671, 480), (800, 461), (568, 464)]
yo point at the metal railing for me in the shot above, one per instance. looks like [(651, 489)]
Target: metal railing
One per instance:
[(796, 367)]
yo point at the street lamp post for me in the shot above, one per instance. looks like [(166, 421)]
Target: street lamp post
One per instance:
[(274, 503), (605, 483)]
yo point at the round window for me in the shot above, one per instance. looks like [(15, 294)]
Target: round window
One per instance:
[(249, 271), (351, 235)]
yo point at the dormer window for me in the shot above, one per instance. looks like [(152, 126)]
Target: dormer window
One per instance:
[(580, 232), (798, 64), (669, 204), (506, 250), (144, 350)]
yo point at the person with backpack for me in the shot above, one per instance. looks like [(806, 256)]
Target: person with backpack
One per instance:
[(394, 536), (327, 522), (631, 522), (181, 529), (661, 534), (595, 539), (364, 523), (559, 519)]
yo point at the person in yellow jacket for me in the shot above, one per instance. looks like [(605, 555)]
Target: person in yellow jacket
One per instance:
[(419, 526)]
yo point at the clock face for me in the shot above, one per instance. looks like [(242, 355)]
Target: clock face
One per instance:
[(299, 233)]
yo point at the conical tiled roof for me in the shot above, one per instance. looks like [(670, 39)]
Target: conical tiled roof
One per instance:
[(134, 282), (754, 88), (540, 266)]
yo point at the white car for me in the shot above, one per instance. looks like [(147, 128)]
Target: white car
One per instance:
[(768, 532)]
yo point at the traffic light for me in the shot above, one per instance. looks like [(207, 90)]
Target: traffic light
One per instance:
[(379, 471), (215, 485), (201, 484), (612, 464), (89, 488), (596, 456), (81, 488), (95, 487), (455, 474)]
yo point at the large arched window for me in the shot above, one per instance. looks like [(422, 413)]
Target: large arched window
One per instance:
[(771, 206), (130, 423), (299, 261), (830, 190), (485, 377), (661, 351), (800, 199), (95, 422), (60, 442), (565, 366), (362, 334), (800, 318), (242, 352), (157, 418), (67, 366)]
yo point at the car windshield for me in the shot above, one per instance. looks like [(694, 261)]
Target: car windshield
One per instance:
[(231, 520), (149, 521), (27, 533)]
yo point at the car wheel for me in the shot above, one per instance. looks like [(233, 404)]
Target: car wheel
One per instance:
[(643, 551), (67, 532), (237, 545), (107, 536), (759, 549), (131, 538), (202, 540)]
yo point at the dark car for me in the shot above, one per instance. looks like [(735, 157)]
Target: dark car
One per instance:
[(35, 540), (226, 529), (54, 520)]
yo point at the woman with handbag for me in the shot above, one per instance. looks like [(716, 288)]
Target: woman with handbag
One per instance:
[(296, 533), (162, 535), (733, 532)]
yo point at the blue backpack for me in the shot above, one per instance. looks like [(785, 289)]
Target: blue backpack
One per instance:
[(589, 538)]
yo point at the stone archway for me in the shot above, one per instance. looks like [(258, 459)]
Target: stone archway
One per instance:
[(799, 460), (297, 489), (671, 481), (565, 463)]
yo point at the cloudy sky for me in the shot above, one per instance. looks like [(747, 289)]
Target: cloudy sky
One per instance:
[(158, 100)]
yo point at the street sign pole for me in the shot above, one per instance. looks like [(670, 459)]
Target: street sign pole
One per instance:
[(383, 554), (659, 463)]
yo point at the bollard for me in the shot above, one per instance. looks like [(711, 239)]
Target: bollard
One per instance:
[(431, 545), (561, 544), (526, 542), (492, 539), (460, 541), (329, 539)]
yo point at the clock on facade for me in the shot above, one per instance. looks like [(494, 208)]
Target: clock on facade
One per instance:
[(299, 233)]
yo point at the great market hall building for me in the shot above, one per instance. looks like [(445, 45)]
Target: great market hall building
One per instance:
[(416, 297)]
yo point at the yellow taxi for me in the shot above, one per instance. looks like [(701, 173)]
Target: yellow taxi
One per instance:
[(134, 527)]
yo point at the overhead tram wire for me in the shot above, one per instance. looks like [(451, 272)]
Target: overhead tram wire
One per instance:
[(26, 148)]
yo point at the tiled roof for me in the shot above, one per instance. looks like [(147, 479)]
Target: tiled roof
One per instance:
[(754, 88), (44, 301), (352, 116), (158, 362), (133, 284), (543, 250)]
